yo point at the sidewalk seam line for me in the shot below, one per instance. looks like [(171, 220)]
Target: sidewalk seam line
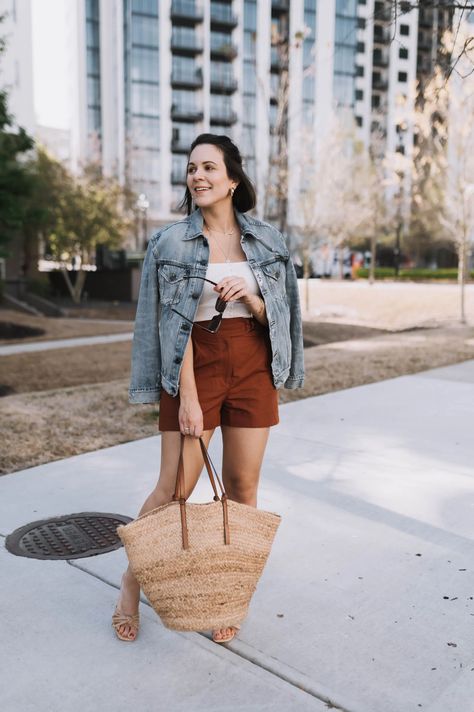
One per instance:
[(249, 658)]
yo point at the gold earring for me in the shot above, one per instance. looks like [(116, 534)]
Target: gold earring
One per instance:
[(232, 190)]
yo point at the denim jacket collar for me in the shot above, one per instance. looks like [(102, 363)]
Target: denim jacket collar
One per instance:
[(196, 223)]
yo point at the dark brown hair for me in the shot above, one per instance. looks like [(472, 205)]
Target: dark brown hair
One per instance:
[(244, 197)]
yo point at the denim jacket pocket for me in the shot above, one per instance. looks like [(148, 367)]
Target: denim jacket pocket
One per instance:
[(274, 271), (172, 279)]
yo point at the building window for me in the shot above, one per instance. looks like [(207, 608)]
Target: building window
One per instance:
[(145, 131), (403, 53), (405, 30), (359, 71), (402, 76), (359, 120), (344, 60), (361, 23), (343, 90), (375, 101), (361, 46), (359, 94), (144, 31)]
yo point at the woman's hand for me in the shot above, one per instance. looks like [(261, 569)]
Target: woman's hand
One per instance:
[(190, 416), (232, 288)]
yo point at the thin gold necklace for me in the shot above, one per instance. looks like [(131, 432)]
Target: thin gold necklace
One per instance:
[(216, 242)]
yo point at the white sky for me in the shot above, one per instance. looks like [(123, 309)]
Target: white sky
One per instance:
[(50, 62)]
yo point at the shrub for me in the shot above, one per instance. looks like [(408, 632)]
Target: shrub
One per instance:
[(414, 274), (40, 286)]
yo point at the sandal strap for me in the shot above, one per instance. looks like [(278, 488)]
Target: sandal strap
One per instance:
[(120, 618)]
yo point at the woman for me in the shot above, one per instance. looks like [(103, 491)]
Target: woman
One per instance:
[(225, 280)]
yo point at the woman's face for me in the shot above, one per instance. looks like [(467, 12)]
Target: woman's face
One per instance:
[(207, 170)]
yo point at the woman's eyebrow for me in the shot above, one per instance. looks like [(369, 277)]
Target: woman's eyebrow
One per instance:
[(193, 164)]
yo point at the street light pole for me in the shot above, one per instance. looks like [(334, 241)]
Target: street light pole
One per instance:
[(143, 205), (401, 128), (397, 250)]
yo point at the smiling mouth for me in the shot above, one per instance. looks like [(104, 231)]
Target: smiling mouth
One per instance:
[(201, 189)]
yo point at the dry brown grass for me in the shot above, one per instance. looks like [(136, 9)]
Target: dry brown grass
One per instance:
[(60, 368), (46, 425), (333, 367), (49, 425)]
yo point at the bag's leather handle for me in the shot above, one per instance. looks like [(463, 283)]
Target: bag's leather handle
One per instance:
[(180, 492)]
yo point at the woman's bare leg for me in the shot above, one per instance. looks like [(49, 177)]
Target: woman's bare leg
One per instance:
[(161, 494), (242, 459)]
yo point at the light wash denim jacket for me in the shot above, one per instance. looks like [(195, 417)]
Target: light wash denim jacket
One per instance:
[(161, 335)]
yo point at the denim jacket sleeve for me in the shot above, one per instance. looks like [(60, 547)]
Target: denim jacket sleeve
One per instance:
[(296, 376), (145, 375)]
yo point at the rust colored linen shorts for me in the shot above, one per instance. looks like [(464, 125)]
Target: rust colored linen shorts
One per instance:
[(232, 369)]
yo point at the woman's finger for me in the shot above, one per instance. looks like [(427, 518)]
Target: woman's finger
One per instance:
[(232, 288)]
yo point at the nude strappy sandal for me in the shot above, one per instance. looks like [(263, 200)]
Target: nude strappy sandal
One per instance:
[(230, 637), (119, 619)]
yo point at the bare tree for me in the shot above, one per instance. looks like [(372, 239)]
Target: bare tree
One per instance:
[(340, 199), (444, 125)]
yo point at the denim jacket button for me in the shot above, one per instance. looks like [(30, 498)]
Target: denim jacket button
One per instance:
[(177, 360), (195, 295), (185, 327)]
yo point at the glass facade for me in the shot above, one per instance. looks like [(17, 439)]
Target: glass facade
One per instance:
[(94, 117), (186, 82), (192, 34), (223, 82), (249, 89), (345, 46), (142, 99), (309, 63)]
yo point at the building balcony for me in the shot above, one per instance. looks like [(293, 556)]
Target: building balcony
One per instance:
[(280, 6), (224, 83), (184, 79), (277, 61), (425, 19), (381, 35), (186, 113), (382, 13), (226, 50), (187, 11), (189, 46), (380, 84), (424, 43), (221, 115), (222, 16), (379, 61), (181, 145), (177, 178)]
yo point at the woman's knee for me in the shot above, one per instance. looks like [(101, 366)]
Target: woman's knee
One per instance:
[(240, 487)]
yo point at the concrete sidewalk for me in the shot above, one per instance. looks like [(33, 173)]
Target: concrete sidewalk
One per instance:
[(366, 601), (9, 349)]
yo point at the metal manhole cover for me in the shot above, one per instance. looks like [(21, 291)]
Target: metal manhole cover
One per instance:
[(72, 536)]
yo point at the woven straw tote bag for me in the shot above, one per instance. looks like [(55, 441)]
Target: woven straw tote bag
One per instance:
[(199, 564)]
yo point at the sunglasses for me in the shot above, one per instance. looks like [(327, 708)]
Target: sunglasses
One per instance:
[(220, 308)]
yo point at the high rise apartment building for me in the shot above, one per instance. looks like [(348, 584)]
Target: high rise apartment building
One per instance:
[(16, 74), (153, 74)]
